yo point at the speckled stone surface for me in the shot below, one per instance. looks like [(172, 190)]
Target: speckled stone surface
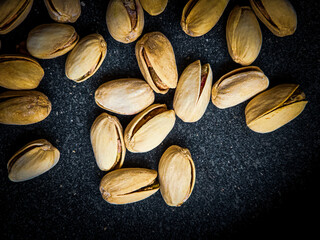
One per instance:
[(247, 184)]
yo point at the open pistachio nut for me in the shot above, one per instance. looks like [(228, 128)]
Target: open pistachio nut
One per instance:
[(64, 11)]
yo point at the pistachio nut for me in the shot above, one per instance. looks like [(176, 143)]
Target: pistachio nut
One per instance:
[(278, 15), (177, 175), (18, 72), (244, 37), (64, 11), (192, 95), (86, 58), (107, 142), (157, 62), (23, 107), (154, 7), (274, 108), (125, 96), (149, 128), (12, 13), (125, 20), (200, 16), (128, 185), (52, 40), (32, 160), (238, 86)]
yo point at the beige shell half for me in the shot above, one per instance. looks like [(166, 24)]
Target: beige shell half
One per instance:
[(154, 7), (64, 11)]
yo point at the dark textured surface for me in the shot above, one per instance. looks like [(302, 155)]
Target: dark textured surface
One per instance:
[(247, 184)]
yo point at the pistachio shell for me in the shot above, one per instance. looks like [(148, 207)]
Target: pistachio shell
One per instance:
[(192, 95), (244, 37), (18, 72), (125, 20), (64, 11), (177, 175), (12, 13), (86, 58), (157, 62), (32, 160), (124, 96), (238, 86), (274, 108), (278, 15), (52, 40), (200, 16), (128, 185), (149, 128), (107, 142), (154, 7), (23, 107)]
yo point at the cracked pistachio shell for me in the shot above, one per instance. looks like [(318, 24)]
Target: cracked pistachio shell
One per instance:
[(107, 142), (128, 185), (200, 16), (32, 160), (244, 37), (274, 108), (23, 107), (64, 11), (238, 86), (177, 175), (193, 92), (86, 58), (125, 20), (154, 7), (12, 13), (18, 72), (149, 128), (278, 15), (125, 96), (52, 40), (157, 62)]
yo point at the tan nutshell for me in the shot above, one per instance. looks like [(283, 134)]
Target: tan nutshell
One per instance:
[(157, 62), (32, 160), (125, 96), (64, 11), (193, 92), (238, 86), (128, 185), (278, 15), (154, 7), (86, 58), (177, 175), (149, 128), (200, 16), (125, 20), (244, 37), (18, 72), (274, 108)]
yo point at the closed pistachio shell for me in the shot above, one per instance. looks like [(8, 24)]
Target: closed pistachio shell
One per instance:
[(177, 175), (125, 20), (64, 11), (124, 96), (107, 142), (128, 185), (238, 86), (86, 58), (32, 160), (18, 72), (193, 92), (149, 128), (200, 16), (274, 108), (23, 107), (52, 40), (154, 7), (278, 15), (157, 62), (13, 13), (244, 37)]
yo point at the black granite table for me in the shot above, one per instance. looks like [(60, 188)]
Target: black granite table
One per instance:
[(247, 184)]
